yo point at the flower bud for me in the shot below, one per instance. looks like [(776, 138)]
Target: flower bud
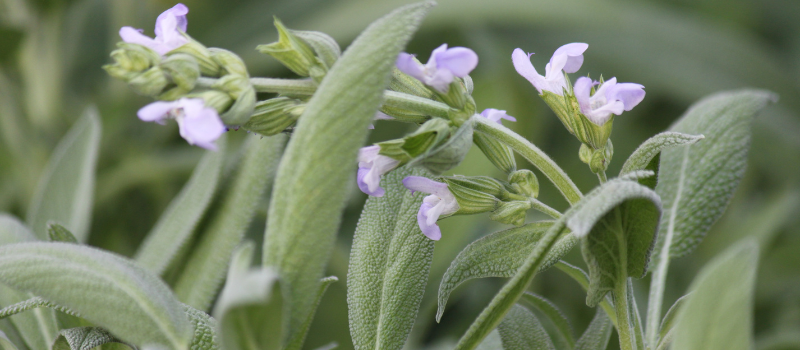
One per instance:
[(182, 70), (445, 156), (230, 63), (130, 60), (216, 99), (324, 46), (427, 136), (402, 82), (273, 116), (474, 194), (499, 154), (597, 159), (512, 212), (201, 54), (292, 52), (524, 182), (150, 82), (243, 94)]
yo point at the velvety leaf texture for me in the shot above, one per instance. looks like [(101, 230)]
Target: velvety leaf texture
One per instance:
[(719, 313), (389, 265), (318, 169), (697, 184), (597, 334), (553, 314), (66, 188), (521, 330), (647, 155), (105, 289), (176, 225), (83, 338)]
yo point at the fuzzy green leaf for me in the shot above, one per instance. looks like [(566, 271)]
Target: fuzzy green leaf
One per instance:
[(103, 288), (719, 312), (648, 155), (205, 329), (58, 233), (66, 188), (389, 265), (5, 343), (521, 330), (83, 338), (556, 317), (205, 270), (12, 230), (250, 307), (697, 184), (667, 329), (175, 226), (597, 334), (499, 254), (313, 180)]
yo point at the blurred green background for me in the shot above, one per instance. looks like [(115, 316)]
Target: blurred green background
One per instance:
[(51, 52)]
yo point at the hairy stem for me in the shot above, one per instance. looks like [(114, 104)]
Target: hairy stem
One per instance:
[(544, 208), (620, 295)]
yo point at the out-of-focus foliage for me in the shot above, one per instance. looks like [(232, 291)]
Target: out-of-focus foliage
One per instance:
[(51, 52)]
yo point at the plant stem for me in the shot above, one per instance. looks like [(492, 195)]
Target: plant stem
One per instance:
[(532, 154), (544, 208), (602, 176), (620, 295)]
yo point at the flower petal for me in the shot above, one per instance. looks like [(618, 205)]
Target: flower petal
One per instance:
[(368, 154), (174, 18), (406, 63), (424, 184), (574, 56), (431, 231), (458, 60), (582, 90), (602, 115), (200, 125), (364, 186), (630, 94), (432, 61), (496, 115), (157, 111), (135, 36), (523, 65), (440, 80)]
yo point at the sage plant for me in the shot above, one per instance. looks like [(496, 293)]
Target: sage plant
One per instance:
[(60, 293)]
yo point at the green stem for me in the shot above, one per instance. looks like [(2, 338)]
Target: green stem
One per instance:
[(544, 208), (534, 155), (620, 295), (602, 176)]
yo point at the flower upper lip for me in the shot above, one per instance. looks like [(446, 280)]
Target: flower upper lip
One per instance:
[(567, 58), (169, 29)]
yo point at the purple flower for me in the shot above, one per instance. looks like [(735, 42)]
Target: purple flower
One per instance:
[(440, 202), (371, 166), (610, 98), (568, 58), (199, 125), (380, 116), (170, 26), (496, 115), (443, 66)]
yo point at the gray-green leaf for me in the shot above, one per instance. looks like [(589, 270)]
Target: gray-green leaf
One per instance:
[(648, 155), (597, 334), (556, 317), (521, 330), (314, 178), (389, 265), (619, 225), (250, 307), (12, 230), (499, 254), (83, 338), (175, 226), (697, 184), (5, 343), (103, 288), (66, 188), (719, 312), (58, 233)]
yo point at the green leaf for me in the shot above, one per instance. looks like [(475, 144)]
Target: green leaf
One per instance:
[(719, 312), (499, 254), (553, 314), (666, 333), (520, 330), (175, 226), (83, 338), (103, 288), (696, 183), (620, 221), (313, 180), (205, 329), (582, 278), (648, 155), (580, 219), (5, 343), (250, 307), (37, 328), (597, 334), (389, 264), (66, 187), (200, 282), (492, 342), (58, 233), (30, 304)]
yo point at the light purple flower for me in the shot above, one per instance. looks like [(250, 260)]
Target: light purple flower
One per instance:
[(199, 125), (442, 67), (440, 202), (567, 58), (170, 26), (496, 115), (380, 116), (610, 98), (371, 166)]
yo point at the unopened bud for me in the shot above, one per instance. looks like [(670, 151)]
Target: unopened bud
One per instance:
[(201, 54), (499, 154), (445, 156), (524, 182), (182, 70), (214, 98), (243, 94), (402, 82), (131, 59), (291, 51), (597, 159), (324, 46), (512, 212), (427, 136), (273, 116), (474, 194), (150, 82)]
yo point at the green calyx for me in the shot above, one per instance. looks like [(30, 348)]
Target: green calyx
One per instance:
[(499, 154), (201, 54), (273, 116), (138, 66), (597, 159), (429, 134), (183, 71), (474, 194), (512, 212), (524, 182), (297, 55), (568, 110)]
